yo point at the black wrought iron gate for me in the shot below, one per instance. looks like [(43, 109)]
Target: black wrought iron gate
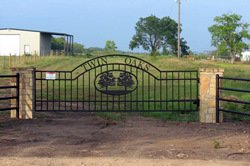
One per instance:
[(7, 96), (116, 83)]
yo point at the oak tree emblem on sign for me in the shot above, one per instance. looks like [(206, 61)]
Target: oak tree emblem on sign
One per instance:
[(116, 82)]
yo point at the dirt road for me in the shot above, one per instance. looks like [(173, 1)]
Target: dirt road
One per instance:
[(85, 139)]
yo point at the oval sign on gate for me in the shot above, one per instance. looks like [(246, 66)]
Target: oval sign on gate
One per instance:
[(116, 82)]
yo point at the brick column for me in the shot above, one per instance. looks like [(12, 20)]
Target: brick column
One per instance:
[(208, 94), (26, 92)]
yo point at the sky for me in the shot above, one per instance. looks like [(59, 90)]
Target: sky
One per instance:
[(93, 22)]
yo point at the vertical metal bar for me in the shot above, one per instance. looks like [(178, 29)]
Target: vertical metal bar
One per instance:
[(83, 98), (143, 91), (17, 95), (119, 67), (113, 103), (217, 99), (77, 100), (167, 90), (190, 92), (53, 103), (149, 92), (107, 107), (59, 95), (160, 92), (47, 95), (155, 94), (178, 90), (89, 90), (95, 90), (125, 96), (34, 88), (41, 90), (185, 91), (65, 76), (172, 90), (137, 94), (101, 93), (197, 95), (71, 89), (131, 93)]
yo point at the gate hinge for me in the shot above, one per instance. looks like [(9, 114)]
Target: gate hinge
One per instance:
[(197, 102)]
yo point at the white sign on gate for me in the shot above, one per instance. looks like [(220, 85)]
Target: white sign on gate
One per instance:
[(50, 75)]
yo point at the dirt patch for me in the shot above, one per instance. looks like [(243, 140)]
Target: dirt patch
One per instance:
[(74, 135)]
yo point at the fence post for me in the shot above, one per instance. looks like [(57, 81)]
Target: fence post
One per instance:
[(56, 52), (217, 99), (26, 92), (208, 94), (51, 52), (35, 56), (24, 57), (15, 93), (10, 65), (62, 52)]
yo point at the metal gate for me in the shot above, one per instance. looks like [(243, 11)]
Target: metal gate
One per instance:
[(116, 83), (6, 97), (219, 97)]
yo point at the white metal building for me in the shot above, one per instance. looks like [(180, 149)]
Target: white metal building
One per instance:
[(245, 55), (20, 41)]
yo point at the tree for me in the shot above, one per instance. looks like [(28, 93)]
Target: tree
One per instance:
[(153, 33), (228, 34), (57, 43), (93, 49), (78, 48), (190, 52), (110, 46)]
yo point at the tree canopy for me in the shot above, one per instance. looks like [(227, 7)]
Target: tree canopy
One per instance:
[(228, 34), (78, 48), (110, 46), (153, 33), (93, 49), (57, 43)]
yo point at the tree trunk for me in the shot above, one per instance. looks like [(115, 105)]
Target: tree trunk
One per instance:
[(232, 58), (153, 53)]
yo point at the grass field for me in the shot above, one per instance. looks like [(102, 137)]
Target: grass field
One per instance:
[(166, 63)]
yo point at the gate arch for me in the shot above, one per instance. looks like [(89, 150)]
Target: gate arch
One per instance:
[(117, 83)]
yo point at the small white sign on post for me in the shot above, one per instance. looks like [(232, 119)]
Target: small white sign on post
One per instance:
[(50, 75)]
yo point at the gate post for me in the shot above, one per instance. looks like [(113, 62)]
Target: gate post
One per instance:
[(208, 94), (26, 92)]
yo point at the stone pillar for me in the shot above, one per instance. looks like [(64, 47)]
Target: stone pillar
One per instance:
[(208, 94), (26, 92)]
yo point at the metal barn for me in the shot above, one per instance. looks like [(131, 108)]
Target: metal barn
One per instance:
[(20, 41)]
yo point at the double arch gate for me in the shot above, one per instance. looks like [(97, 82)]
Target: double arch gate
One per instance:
[(116, 83)]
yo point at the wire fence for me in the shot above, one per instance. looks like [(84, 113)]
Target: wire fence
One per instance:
[(8, 61)]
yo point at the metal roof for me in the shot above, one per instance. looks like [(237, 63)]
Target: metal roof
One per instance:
[(52, 33)]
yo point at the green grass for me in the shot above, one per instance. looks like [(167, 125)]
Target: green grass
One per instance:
[(42, 115), (110, 116), (4, 113), (238, 108), (174, 116)]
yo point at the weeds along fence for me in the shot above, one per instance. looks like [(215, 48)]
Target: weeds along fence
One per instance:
[(8, 61)]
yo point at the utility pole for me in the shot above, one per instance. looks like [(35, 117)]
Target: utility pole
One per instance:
[(179, 44)]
